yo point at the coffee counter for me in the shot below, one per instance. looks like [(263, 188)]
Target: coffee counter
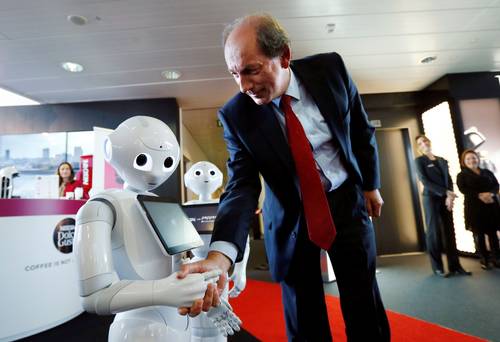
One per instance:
[(38, 277)]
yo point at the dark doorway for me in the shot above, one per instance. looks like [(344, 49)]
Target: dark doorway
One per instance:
[(399, 229)]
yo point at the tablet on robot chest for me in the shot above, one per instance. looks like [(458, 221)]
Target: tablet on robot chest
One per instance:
[(169, 224)]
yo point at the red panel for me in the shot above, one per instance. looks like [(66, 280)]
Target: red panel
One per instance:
[(33, 207)]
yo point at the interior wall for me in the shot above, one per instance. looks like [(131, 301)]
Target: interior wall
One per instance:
[(190, 147), (401, 111), (396, 110), (484, 115), (191, 153)]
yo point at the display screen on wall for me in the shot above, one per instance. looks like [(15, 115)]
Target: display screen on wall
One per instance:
[(40, 154), (481, 121)]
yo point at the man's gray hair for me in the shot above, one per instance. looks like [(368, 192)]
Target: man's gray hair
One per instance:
[(271, 36)]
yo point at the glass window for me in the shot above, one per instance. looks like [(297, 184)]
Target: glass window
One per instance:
[(40, 154)]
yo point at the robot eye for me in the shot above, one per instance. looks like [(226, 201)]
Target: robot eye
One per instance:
[(141, 159), (198, 173), (143, 162), (168, 163), (212, 173)]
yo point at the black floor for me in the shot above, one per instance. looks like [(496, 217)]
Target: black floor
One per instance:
[(466, 304)]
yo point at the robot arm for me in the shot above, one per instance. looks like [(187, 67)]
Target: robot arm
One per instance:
[(170, 291), (239, 276), (100, 295)]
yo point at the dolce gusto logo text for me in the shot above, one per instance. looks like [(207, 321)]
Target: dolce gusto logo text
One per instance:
[(63, 235)]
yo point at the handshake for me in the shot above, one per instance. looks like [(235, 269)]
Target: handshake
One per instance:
[(190, 290)]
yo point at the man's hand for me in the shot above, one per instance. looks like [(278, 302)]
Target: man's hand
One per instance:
[(214, 261), (373, 202), (486, 197)]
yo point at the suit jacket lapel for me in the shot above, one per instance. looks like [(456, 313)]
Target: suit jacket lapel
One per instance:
[(272, 132)]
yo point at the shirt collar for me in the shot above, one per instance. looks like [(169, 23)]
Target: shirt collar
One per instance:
[(292, 90)]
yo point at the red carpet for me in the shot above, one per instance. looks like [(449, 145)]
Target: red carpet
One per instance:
[(260, 308)]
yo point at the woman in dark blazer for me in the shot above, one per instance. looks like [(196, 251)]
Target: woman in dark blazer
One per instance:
[(438, 198), (482, 210)]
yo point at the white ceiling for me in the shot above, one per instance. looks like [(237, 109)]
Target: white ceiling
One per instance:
[(128, 43)]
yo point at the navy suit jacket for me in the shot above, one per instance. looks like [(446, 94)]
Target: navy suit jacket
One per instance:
[(256, 144), (436, 179)]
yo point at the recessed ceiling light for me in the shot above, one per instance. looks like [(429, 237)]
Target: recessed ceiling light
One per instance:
[(330, 28), (72, 67), (171, 74), (428, 59), (79, 20)]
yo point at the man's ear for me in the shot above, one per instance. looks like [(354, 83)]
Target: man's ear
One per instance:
[(285, 57)]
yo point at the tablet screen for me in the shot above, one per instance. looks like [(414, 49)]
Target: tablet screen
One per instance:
[(174, 230)]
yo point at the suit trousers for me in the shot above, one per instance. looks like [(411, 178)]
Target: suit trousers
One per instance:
[(353, 256), (440, 233)]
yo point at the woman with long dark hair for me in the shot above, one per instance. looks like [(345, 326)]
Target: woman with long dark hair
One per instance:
[(67, 181)]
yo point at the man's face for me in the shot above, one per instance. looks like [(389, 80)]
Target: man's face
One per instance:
[(260, 77), (424, 145)]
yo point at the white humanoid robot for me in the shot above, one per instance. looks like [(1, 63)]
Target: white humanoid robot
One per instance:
[(203, 178), (121, 266)]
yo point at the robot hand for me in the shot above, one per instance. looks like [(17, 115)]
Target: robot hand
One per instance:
[(239, 279), (239, 276), (224, 318), (176, 292)]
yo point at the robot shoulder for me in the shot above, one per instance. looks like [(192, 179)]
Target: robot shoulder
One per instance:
[(99, 208)]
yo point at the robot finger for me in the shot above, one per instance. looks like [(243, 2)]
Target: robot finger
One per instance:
[(235, 323), (234, 292), (224, 328), (229, 330), (212, 275), (226, 303)]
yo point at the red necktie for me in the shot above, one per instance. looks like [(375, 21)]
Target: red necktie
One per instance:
[(319, 221)]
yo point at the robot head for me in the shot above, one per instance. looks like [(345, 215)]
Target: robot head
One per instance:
[(203, 178), (144, 152)]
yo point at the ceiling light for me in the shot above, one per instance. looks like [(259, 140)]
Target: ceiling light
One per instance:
[(72, 67), (171, 74), (428, 59), (79, 20), (330, 28)]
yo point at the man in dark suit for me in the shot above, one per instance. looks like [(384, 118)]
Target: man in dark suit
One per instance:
[(319, 92), (438, 198)]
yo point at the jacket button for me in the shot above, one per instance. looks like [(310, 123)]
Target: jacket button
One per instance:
[(294, 235)]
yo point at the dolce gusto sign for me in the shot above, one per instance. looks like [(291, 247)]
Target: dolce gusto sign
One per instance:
[(63, 235)]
